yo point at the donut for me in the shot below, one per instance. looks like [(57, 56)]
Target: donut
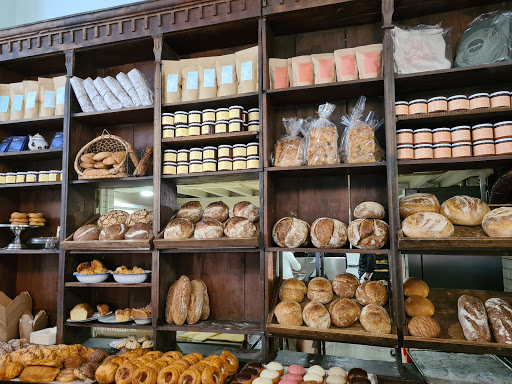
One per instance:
[(190, 376), (36, 215), (212, 375), (231, 361), (18, 215), (169, 375), (174, 354), (144, 375)]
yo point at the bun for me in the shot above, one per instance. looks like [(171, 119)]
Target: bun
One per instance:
[(415, 287), (113, 232), (500, 316), (288, 313), (316, 316), (328, 233), (191, 210), (375, 319), (427, 225), (423, 326), (345, 285), (113, 217), (208, 229), (290, 232), (181, 300), (139, 231), (368, 233), (498, 222), (320, 290), (247, 210), (369, 210), (239, 227), (464, 210), (217, 210), (371, 292), (344, 312), (292, 290), (179, 229), (418, 202), (419, 306), (87, 232), (81, 312), (140, 216), (473, 319)]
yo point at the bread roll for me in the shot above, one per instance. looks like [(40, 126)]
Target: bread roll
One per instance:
[(498, 222), (208, 229), (197, 293), (113, 232), (344, 312), (500, 316), (344, 285), (375, 319), (419, 306), (418, 202), (371, 292), (81, 312), (181, 300), (290, 232), (139, 231), (369, 210), (316, 316), (292, 290), (328, 233), (240, 227), (426, 225), (464, 210), (113, 217), (320, 290), (424, 326), (87, 232), (217, 210), (415, 287), (288, 313), (473, 319), (140, 216), (247, 210), (368, 233), (179, 229), (191, 210)]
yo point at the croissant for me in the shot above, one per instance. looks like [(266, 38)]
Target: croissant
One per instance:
[(10, 371), (66, 376), (106, 373), (125, 372)]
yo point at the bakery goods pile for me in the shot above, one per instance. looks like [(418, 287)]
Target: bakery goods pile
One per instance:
[(99, 163), (20, 218), (84, 311), (213, 223), (134, 342), (420, 309), (367, 231), (91, 268), (187, 301), (332, 303)]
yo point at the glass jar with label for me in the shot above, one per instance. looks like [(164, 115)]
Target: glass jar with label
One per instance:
[(479, 100), (194, 129), (253, 114), (253, 126), (500, 99), (53, 175), (183, 155), (441, 136), (503, 146), (208, 115), (253, 162), (437, 104), (245, 116), (404, 136), (423, 151), (10, 178), (458, 103), (59, 175), (180, 118), (484, 148), (196, 154), (462, 149), (169, 168), (181, 131), (221, 126), (239, 163), (482, 132), (208, 128), (195, 117), (222, 114), (418, 106), (210, 153), (171, 155), (401, 108), (209, 165), (503, 130), (20, 177), (182, 168), (195, 166), (236, 125), (168, 132), (253, 149), (225, 164), (225, 151), (236, 112), (167, 118), (461, 133), (405, 152), (2, 178), (43, 176), (239, 150), (422, 136), (442, 151)]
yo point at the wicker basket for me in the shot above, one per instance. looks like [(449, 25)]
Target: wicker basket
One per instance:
[(104, 143)]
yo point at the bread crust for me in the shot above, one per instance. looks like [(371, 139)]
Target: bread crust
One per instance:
[(473, 318), (328, 233), (181, 300), (205, 310), (464, 210), (168, 304), (139, 231), (208, 228), (368, 233), (344, 312), (418, 202), (423, 326), (415, 287), (427, 225), (217, 210), (419, 306), (499, 313), (498, 222), (292, 290), (290, 232), (239, 227), (315, 315), (113, 232), (247, 210), (288, 313), (196, 302), (375, 319), (179, 229), (87, 232), (320, 290), (369, 210), (113, 217), (372, 292), (191, 210), (345, 285)]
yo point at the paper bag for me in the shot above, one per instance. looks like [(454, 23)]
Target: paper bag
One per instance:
[(10, 313)]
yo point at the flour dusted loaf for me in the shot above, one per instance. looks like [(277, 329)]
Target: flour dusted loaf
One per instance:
[(498, 222), (499, 313), (139, 231), (217, 210), (368, 233), (87, 232), (113, 232), (191, 210), (239, 227), (288, 313), (372, 292), (464, 210), (423, 326), (375, 319), (81, 312), (328, 233), (424, 225), (181, 300), (415, 287), (419, 306), (473, 318), (292, 290), (113, 217), (345, 285), (369, 210), (320, 290), (315, 315), (197, 297), (247, 210), (141, 216), (208, 228), (418, 202), (179, 229), (344, 312), (290, 232)]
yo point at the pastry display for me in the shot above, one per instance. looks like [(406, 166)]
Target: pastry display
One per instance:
[(187, 301), (20, 218)]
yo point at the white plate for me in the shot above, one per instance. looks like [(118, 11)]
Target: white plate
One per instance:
[(112, 344), (94, 278), (147, 320), (96, 316), (111, 320), (131, 278)]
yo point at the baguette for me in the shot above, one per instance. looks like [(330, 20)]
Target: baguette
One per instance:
[(133, 156), (142, 167)]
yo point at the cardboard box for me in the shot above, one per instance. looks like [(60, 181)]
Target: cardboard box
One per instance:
[(10, 314), (29, 323)]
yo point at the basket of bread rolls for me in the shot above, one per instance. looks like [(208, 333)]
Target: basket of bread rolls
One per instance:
[(103, 157)]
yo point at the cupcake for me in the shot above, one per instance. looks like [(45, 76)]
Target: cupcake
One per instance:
[(271, 374), (318, 370), (313, 377), (276, 367), (296, 369), (256, 365), (336, 371), (293, 377), (243, 378)]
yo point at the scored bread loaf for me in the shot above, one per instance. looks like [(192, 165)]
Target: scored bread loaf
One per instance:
[(372, 292), (315, 315), (197, 293), (139, 231), (140, 216), (415, 287), (247, 210), (499, 313), (369, 210), (87, 232), (424, 225), (423, 326), (368, 233), (328, 233), (344, 312), (464, 210), (419, 306), (375, 319), (292, 290), (498, 222), (208, 228), (181, 300), (81, 312), (288, 313), (217, 210), (418, 202), (205, 311), (345, 285), (168, 304), (473, 318), (113, 232), (191, 210), (320, 290), (113, 217), (290, 232), (239, 227), (179, 229)]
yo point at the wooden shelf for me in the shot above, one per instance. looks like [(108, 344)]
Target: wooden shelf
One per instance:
[(118, 182), (410, 9), (112, 284), (48, 184), (328, 170), (32, 155), (207, 177), (97, 324), (201, 244), (117, 116), (217, 326), (409, 166), (38, 124), (326, 250), (246, 100), (215, 140), (28, 252), (105, 245)]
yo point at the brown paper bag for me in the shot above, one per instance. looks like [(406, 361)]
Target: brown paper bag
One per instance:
[(346, 66), (10, 313), (302, 71), (17, 100), (226, 75), (59, 84), (171, 78), (189, 79), (369, 61), (247, 70), (279, 73), (29, 323), (5, 102), (31, 91), (207, 78), (47, 97), (323, 67)]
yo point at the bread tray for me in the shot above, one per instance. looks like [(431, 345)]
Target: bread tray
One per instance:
[(223, 242)]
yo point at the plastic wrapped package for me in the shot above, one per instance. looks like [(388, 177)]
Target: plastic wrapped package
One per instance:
[(106, 94), (422, 48), (487, 40), (289, 151), (358, 143), (322, 138)]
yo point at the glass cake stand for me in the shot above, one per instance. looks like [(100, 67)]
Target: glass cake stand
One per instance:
[(17, 229)]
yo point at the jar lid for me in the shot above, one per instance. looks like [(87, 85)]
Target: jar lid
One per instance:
[(183, 150), (485, 125), (210, 147), (196, 162), (3, 174), (254, 157), (180, 113), (442, 145), (40, 172), (182, 126), (477, 95), (463, 143), (59, 171), (505, 140), (225, 146), (225, 159), (418, 101), (222, 109), (404, 130), (503, 123), (170, 151), (483, 142), (255, 122), (401, 103), (236, 121), (169, 163), (422, 130), (194, 112), (405, 146), (459, 127), (54, 171), (457, 97), (221, 122), (210, 161), (29, 172), (195, 149), (240, 158), (168, 126), (253, 110), (437, 98), (252, 144), (423, 146), (13, 174), (167, 114), (194, 125), (239, 146), (500, 93), (24, 173), (441, 129), (183, 163), (208, 110), (236, 107)]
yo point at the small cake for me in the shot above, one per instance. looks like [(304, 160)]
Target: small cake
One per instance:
[(251, 371), (256, 365), (357, 372), (276, 367), (270, 374), (317, 369), (242, 378), (333, 379), (293, 377), (336, 371), (313, 377), (296, 369), (262, 380)]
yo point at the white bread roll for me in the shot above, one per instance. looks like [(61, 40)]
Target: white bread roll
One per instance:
[(464, 210), (415, 287), (418, 202), (424, 225), (498, 222)]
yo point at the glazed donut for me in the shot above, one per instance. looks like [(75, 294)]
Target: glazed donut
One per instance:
[(144, 375), (167, 359), (212, 375), (174, 354), (124, 373), (217, 362), (231, 361), (196, 356), (169, 375), (190, 376), (158, 354), (184, 363)]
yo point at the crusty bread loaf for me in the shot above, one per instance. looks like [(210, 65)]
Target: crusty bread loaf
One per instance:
[(425, 225), (247, 210), (328, 233), (81, 312), (139, 231), (205, 312), (179, 229), (368, 233), (191, 210), (290, 232), (498, 222), (113, 217), (87, 232), (181, 300), (208, 228), (195, 308), (415, 287), (464, 210), (113, 232), (419, 306), (369, 210), (316, 316), (424, 326), (499, 313), (217, 210), (372, 292), (102, 309), (168, 303), (288, 313), (140, 216), (239, 227), (292, 290), (344, 285), (344, 312), (375, 319), (320, 290), (473, 318), (418, 202)]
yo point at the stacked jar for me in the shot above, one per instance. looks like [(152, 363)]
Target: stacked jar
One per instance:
[(30, 177)]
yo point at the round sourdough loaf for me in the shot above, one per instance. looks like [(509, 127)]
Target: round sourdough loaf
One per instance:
[(208, 229), (368, 233), (415, 287), (247, 210), (418, 202), (290, 232), (113, 232), (372, 292), (292, 290), (87, 232), (320, 290), (179, 229), (369, 210), (315, 315), (498, 222), (375, 319), (464, 210), (422, 326), (191, 210), (217, 210), (139, 231), (328, 233), (239, 227), (113, 217), (419, 306), (345, 285), (344, 312), (427, 225), (288, 313), (141, 216)]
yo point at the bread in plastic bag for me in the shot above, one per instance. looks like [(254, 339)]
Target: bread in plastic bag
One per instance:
[(289, 150), (322, 138), (358, 143)]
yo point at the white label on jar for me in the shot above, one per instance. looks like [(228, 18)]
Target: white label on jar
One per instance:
[(31, 100), (172, 83), (209, 78), (61, 92), (4, 104), (17, 102), (192, 80), (49, 99), (227, 74), (247, 71)]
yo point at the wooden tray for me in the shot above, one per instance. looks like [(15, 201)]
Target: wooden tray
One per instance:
[(223, 242), (70, 245), (463, 238), (452, 339)]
